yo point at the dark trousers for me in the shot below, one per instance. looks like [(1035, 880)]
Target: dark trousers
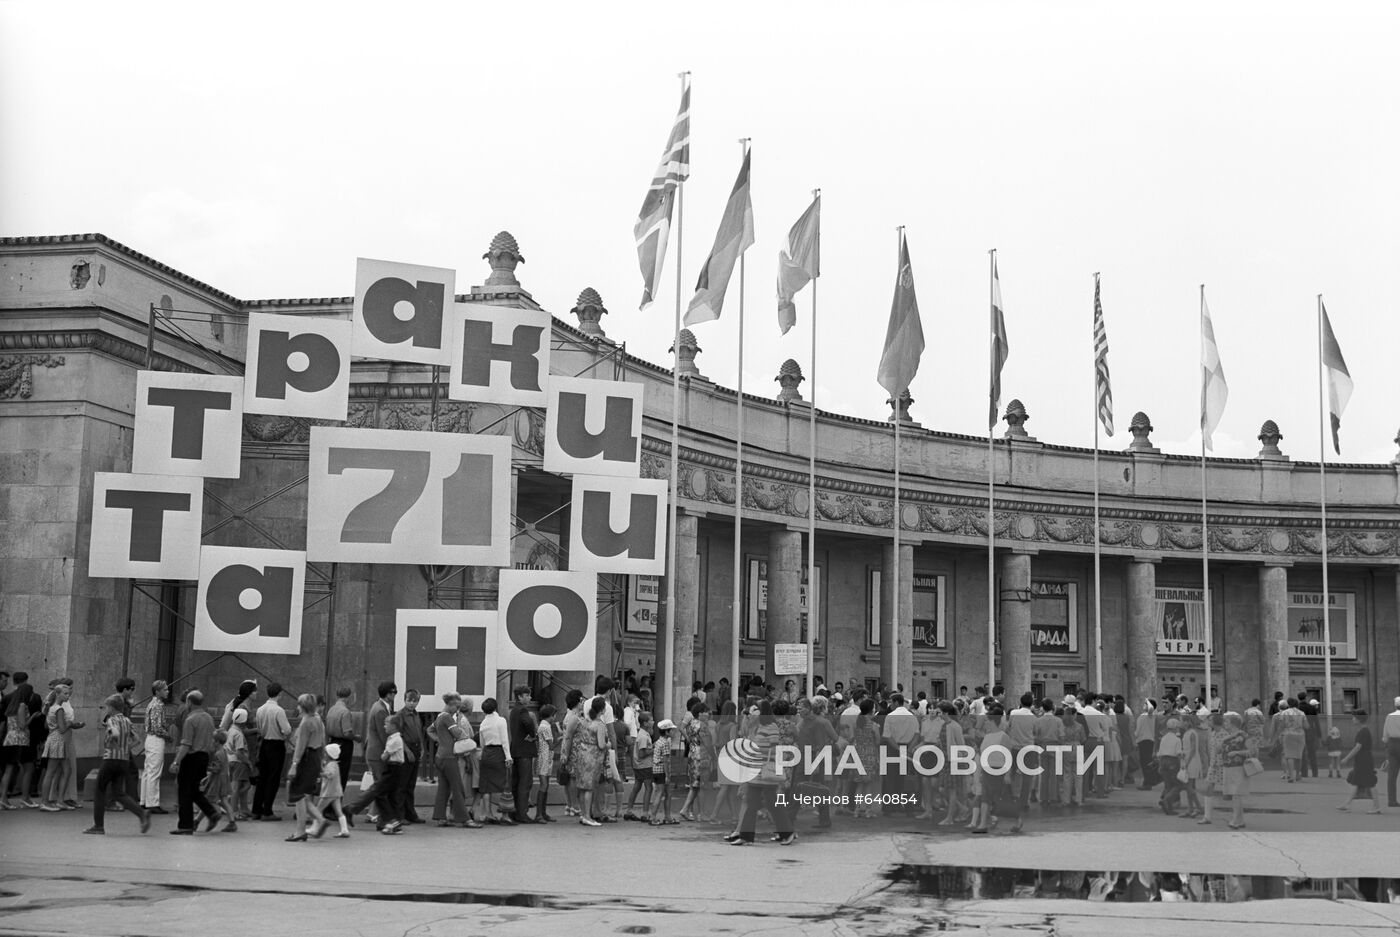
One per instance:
[(452, 784), (376, 791), (347, 754), (408, 789), (1309, 755), (1172, 788), (388, 792), (193, 767), (113, 776), (762, 797), (1149, 773), (272, 756), (522, 777), (1028, 780), (1392, 771)]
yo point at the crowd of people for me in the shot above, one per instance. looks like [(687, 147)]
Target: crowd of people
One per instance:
[(616, 763)]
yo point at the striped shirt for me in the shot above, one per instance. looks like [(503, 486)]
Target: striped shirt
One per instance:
[(116, 741)]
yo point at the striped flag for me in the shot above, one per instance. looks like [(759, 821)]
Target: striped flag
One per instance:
[(1214, 391), (1103, 391), (1339, 384), (653, 226), (1001, 349), (904, 337), (799, 262), (735, 236)]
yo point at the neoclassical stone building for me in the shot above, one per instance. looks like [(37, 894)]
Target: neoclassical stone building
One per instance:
[(76, 316)]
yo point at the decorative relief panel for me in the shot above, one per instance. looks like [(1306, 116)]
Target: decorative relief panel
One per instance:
[(17, 373)]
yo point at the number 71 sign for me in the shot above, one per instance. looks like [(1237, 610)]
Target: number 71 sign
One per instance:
[(391, 496)]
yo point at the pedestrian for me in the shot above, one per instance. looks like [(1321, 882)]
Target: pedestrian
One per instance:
[(1289, 729), (699, 759), (454, 743), (216, 780), (376, 723), (239, 765), (17, 753), (1334, 752), (522, 730), (589, 754), (157, 737), (1362, 776), (661, 775), (493, 734), (1215, 764), (332, 793), (1390, 738), (573, 717), (118, 740), (1194, 763), (763, 790), (1072, 736), (1235, 751), (959, 807), (1169, 754), (190, 766), (411, 727), (867, 744), (305, 768), (544, 761), (815, 737), (59, 719), (274, 730), (388, 790), (340, 729), (641, 766)]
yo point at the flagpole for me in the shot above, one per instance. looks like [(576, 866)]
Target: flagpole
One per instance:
[(894, 580), (736, 627), (813, 593), (1205, 523), (991, 499), (671, 572), (1098, 582), (1322, 493)]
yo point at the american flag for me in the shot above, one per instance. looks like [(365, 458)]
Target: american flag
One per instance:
[(653, 227), (1101, 384)]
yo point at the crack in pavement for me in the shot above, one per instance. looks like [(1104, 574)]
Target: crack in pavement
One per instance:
[(1258, 842)]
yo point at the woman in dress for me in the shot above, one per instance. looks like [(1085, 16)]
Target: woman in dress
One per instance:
[(1193, 762), (1363, 771), (589, 750), (573, 719), (544, 762), (1215, 764), (1289, 728), (494, 737), (725, 731), (305, 768), (59, 718), (699, 758), (1235, 749), (867, 743)]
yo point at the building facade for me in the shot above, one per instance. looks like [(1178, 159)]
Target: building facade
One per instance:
[(81, 315)]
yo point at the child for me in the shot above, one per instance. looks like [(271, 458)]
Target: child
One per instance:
[(216, 780), (1334, 752), (544, 761), (661, 774), (641, 761), (239, 765), (387, 803), (331, 792)]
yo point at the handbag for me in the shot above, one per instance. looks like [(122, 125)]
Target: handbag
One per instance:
[(1252, 766), (1182, 776), (565, 778), (463, 746)]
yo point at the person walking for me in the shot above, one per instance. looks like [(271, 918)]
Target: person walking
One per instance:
[(762, 790), (1362, 777), (1390, 738), (340, 729), (1169, 754), (376, 736), (118, 739), (1289, 729), (157, 735), (274, 730), (305, 769), (192, 764)]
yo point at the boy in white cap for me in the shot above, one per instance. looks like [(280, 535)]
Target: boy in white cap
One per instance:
[(239, 765), (661, 773), (331, 793)]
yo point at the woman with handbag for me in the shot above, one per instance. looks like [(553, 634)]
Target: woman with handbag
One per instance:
[(1238, 764), (762, 790), (453, 743)]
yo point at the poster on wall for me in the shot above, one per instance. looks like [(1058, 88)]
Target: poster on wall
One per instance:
[(756, 622), (547, 620), (593, 427), (187, 424), (145, 526), (1181, 621), (499, 354), (400, 311), (1305, 624), (398, 496), (1055, 617), (930, 622), (437, 651), (249, 600), (618, 525), (643, 604), (297, 366)]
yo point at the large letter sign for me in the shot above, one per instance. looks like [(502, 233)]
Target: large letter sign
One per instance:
[(145, 526), (547, 620), (391, 496), (499, 354), (187, 424), (593, 427), (249, 600), (399, 311), (297, 366), (618, 525), (444, 650)]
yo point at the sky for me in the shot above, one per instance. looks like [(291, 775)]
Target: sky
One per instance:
[(1250, 147)]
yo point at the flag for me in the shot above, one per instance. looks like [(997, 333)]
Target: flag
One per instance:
[(735, 236), (1001, 349), (1338, 377), (1103, 391), (904, 338), (653, 226), (799, 262), (1214, 391)]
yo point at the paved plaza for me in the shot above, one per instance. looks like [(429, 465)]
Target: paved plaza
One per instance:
[(633, 879)]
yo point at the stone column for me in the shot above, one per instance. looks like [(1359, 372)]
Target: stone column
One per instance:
[(1142, 632), (893, 667), (784, 596), (1015, 623), (678, 672), (1273, 631)]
